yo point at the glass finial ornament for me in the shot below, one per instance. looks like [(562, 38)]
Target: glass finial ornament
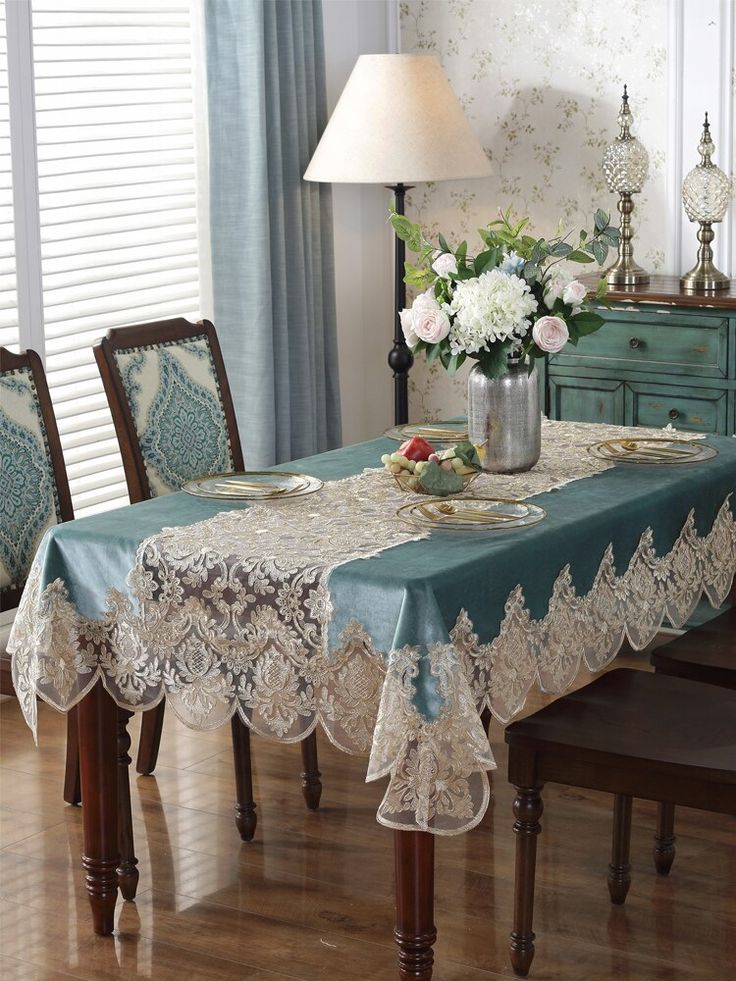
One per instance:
[(705, 193), (625, 167)]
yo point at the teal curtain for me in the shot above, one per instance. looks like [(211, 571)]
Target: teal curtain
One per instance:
[(272, 249)]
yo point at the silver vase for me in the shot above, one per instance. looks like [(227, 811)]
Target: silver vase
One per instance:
[(505, 418)]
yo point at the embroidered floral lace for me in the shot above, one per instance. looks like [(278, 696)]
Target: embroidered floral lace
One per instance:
[(232, 614)]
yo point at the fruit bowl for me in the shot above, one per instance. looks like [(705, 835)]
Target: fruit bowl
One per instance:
[(409, 482)]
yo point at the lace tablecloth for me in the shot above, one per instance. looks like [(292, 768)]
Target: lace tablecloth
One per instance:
[(237, 613)]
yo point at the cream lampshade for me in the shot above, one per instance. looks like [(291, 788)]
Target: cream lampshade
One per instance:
[(398, 122)]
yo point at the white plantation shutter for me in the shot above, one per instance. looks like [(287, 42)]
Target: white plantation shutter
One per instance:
[(117, 183), (8, 295)]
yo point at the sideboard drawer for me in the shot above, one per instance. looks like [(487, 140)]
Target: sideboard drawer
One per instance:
[(586, 399), (678, 345), (695, 410)]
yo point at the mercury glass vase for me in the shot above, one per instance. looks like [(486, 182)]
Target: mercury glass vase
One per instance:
[(505, 418)]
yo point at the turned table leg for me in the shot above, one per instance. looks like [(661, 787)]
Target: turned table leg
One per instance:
[(619, 871), (664, 839), (245, 808), (528, 809), (98, 764), (415, 932), (127, 869), (311, 783)]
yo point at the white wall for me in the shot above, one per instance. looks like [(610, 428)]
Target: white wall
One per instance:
[(363, 244)]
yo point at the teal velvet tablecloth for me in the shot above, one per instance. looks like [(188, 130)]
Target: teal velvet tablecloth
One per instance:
[(412, 594)]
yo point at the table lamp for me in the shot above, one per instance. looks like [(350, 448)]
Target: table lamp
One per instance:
[(625, 167), (397, 123), (705, 194)]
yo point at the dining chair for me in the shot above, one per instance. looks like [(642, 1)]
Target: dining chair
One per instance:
[(34, 496), (708, 654), (173, 413), (632, 734)]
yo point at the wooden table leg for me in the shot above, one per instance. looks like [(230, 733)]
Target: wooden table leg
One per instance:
[(415, 932), (311, 783), (128, 867), (619, 870), (98, 763), (664, 839), (528, 809)]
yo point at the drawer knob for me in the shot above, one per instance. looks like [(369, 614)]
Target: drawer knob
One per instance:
[(674, 414), (635, 343)]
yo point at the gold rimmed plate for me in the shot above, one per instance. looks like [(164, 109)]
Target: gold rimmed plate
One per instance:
[(434, 432), (253, 485), (652, 451), (471, 513)]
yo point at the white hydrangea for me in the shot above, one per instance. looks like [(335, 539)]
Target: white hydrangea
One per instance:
[(493, 307)]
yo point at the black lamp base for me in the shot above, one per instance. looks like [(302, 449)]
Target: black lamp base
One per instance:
[(400, 358)]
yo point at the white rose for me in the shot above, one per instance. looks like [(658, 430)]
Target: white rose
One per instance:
[(430, 323), (407, 326), (574, 293), (555, 287), (444, 264), (550, 334)]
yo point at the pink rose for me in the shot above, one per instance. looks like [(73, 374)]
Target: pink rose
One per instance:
[(574, 293), (444, 264), (429, 322), (550, 334), (407, 326)]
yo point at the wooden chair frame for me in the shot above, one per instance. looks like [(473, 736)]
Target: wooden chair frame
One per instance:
[(9, 599), (151, 335)]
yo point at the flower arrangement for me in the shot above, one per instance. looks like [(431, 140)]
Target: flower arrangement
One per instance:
[(512, 299)]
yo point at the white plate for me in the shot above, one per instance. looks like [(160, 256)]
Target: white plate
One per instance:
[(471, 513), (253, 485)]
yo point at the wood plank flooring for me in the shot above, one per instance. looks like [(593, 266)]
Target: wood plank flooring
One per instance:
[(311, 898)]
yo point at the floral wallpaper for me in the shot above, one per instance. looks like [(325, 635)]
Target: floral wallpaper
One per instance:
[(541, 82)]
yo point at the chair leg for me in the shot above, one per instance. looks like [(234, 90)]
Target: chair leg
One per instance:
[(664, 839), (311, 783), (245, 809), (528, 809), (72, 783), (152, 723), (128, 868), (619, 871)]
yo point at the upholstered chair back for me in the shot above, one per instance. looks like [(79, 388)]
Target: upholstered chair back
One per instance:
[(34, 491), (170, 403)]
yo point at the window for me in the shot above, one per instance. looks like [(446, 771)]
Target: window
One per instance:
[(115, 201), (8, 295)]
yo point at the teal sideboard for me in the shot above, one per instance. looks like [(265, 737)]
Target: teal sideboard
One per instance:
[(662, 356)]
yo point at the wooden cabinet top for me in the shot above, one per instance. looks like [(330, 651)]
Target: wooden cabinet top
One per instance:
[(666, 289)]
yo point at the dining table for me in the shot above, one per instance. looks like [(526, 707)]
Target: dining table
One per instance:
[(394, 635)]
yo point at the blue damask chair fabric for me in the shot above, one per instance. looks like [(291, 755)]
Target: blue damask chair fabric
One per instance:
[(28, 499), (176, 404)]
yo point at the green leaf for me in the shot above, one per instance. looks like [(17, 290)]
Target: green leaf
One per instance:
[(586, 323), (600, 251), (462, 251), (602, 288), (531, 272), (577, 255), (439, 482), (468, 454), (433, 350), (486, 260), (601, 220), (493, 362), (420, 279), (407, 231), (561, 249), (443, 243), (454, 362)]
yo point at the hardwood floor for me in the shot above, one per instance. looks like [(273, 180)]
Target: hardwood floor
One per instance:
[(312, 896)]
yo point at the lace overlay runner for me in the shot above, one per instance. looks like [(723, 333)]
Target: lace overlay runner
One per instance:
[(231, 614)]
